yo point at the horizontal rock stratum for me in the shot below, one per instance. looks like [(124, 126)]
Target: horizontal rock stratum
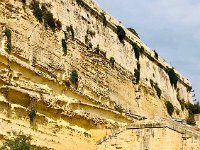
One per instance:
[(73, 77)]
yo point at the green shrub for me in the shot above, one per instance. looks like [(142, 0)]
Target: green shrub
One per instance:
[(172, 76), (193, 108), (190, 120), (90, 45), (104, 19), (156, 54), (137, 75), (152, 83), (189, 88), (121, 34), (112, 61), (32, 115), (8, 34), (141, 50), (86, 39), (158, 90), (182, 103), (45, 16), (64, 46), (65, 35), (48, 19), (138, 65), (170, 107), (133, 31), (156, 87), (136, 51), (20, 142), (37, 11), (74, 77)]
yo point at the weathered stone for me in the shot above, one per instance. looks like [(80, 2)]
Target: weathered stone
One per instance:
[(102, 100)]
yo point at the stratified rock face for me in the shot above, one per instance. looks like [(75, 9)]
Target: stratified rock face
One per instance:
[(68, 74)]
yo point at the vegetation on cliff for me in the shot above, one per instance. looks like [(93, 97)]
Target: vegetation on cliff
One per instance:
[(134, 32), (172, 76), (137, 50), (112, 61), (8, 34), (156, 87), (104, 19), (74, 78), (170, 107), (156, 54), (19, 142), (32, 115), (43, 15), (137, 73), (64, 46), (121, 34), (194, 108)]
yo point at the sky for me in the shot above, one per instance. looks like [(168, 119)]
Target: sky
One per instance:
[(171, 27)]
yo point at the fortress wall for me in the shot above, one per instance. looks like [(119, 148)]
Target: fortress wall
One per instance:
[(42, 48)]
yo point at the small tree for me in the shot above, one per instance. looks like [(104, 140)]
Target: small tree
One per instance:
[(193, 108), (190, 120)]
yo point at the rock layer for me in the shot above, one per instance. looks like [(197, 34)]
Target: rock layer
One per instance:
[(40, 96)]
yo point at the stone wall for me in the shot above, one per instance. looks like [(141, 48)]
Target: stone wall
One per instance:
[(42, 48), (153, 136), (35, 75)]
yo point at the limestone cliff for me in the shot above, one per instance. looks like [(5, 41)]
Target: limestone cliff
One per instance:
[(70, 74)]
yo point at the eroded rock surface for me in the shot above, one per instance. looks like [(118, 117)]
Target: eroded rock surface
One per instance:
[(73, 111)]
